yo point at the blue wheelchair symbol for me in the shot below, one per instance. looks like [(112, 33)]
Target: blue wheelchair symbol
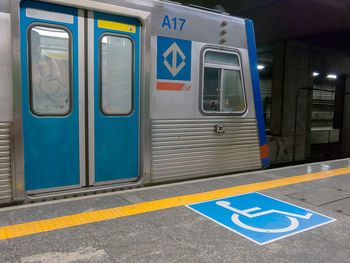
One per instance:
[(260, 218), (294, 223)]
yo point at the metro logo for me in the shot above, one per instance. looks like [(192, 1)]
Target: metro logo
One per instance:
[(174, 50), (173, 59)]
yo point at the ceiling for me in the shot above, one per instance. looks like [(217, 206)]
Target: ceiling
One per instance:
[(324, 23)]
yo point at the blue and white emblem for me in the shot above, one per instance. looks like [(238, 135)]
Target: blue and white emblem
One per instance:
[(173, 59), (175, 52), (260, 218)]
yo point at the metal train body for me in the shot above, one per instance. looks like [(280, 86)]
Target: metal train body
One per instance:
[(96, 96)]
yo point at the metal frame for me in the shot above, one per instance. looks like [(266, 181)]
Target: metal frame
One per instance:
[(91, 100), (239, 68), (49, 190), (144, 99), (6, 100), (81, 94), (134, 180), (17, 157)]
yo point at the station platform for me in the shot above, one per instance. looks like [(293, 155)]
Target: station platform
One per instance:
[(293, 214)]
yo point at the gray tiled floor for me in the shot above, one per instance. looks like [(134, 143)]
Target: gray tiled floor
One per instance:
[(321, 195), (180, 235), (341, 206)]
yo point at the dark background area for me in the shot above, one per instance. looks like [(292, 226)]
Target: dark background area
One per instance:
[(299, 44)]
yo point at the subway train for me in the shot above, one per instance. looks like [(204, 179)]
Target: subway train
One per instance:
[(104, 95)]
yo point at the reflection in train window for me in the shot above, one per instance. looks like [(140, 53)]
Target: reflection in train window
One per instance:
[(211, 92), (49, 70), (116, 75), (221, 58), (222, 83), (232, 91)]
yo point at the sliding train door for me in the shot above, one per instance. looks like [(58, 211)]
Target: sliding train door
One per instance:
[(80, 97), (114, 113), (50, 96)]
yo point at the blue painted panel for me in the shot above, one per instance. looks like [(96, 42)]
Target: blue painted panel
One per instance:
[(116, 137), (51, 144), (265, 161), (256, 84), (166, 49), (260, 218)]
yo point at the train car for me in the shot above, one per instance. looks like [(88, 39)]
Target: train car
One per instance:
[(104, 95)]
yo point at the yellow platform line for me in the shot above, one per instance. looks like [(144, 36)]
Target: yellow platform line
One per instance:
[(122, 211)]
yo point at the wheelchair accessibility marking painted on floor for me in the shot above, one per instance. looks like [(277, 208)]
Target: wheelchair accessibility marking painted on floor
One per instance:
[(260, 218), (40, 226)]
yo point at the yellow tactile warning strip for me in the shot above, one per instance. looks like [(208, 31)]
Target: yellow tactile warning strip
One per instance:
[(122, 211)]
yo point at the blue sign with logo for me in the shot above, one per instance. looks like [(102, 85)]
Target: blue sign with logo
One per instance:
[(173, 59), (260, 218)]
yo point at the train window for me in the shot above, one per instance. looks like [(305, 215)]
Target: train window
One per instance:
[(232, 91), (221, 58), (116, 75), (50, 88), (222, 83), (211, 92)]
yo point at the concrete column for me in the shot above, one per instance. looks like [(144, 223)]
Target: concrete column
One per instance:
[(277, 88), (345, 132), (291, 103)]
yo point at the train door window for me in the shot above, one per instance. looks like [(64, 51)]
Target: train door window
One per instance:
[(50, 70), (222, 83), (116, 75)]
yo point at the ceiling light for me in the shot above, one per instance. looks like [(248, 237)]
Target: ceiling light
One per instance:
[(260, 67), (332, 76)]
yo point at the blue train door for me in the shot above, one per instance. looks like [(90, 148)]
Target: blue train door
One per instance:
[(69, 57), (50, 97), (114, 118)]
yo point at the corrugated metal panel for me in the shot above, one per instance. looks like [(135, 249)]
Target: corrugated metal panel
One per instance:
[(266, 94), (324, 92), (266, 88), (5, 163), (185, 148)]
